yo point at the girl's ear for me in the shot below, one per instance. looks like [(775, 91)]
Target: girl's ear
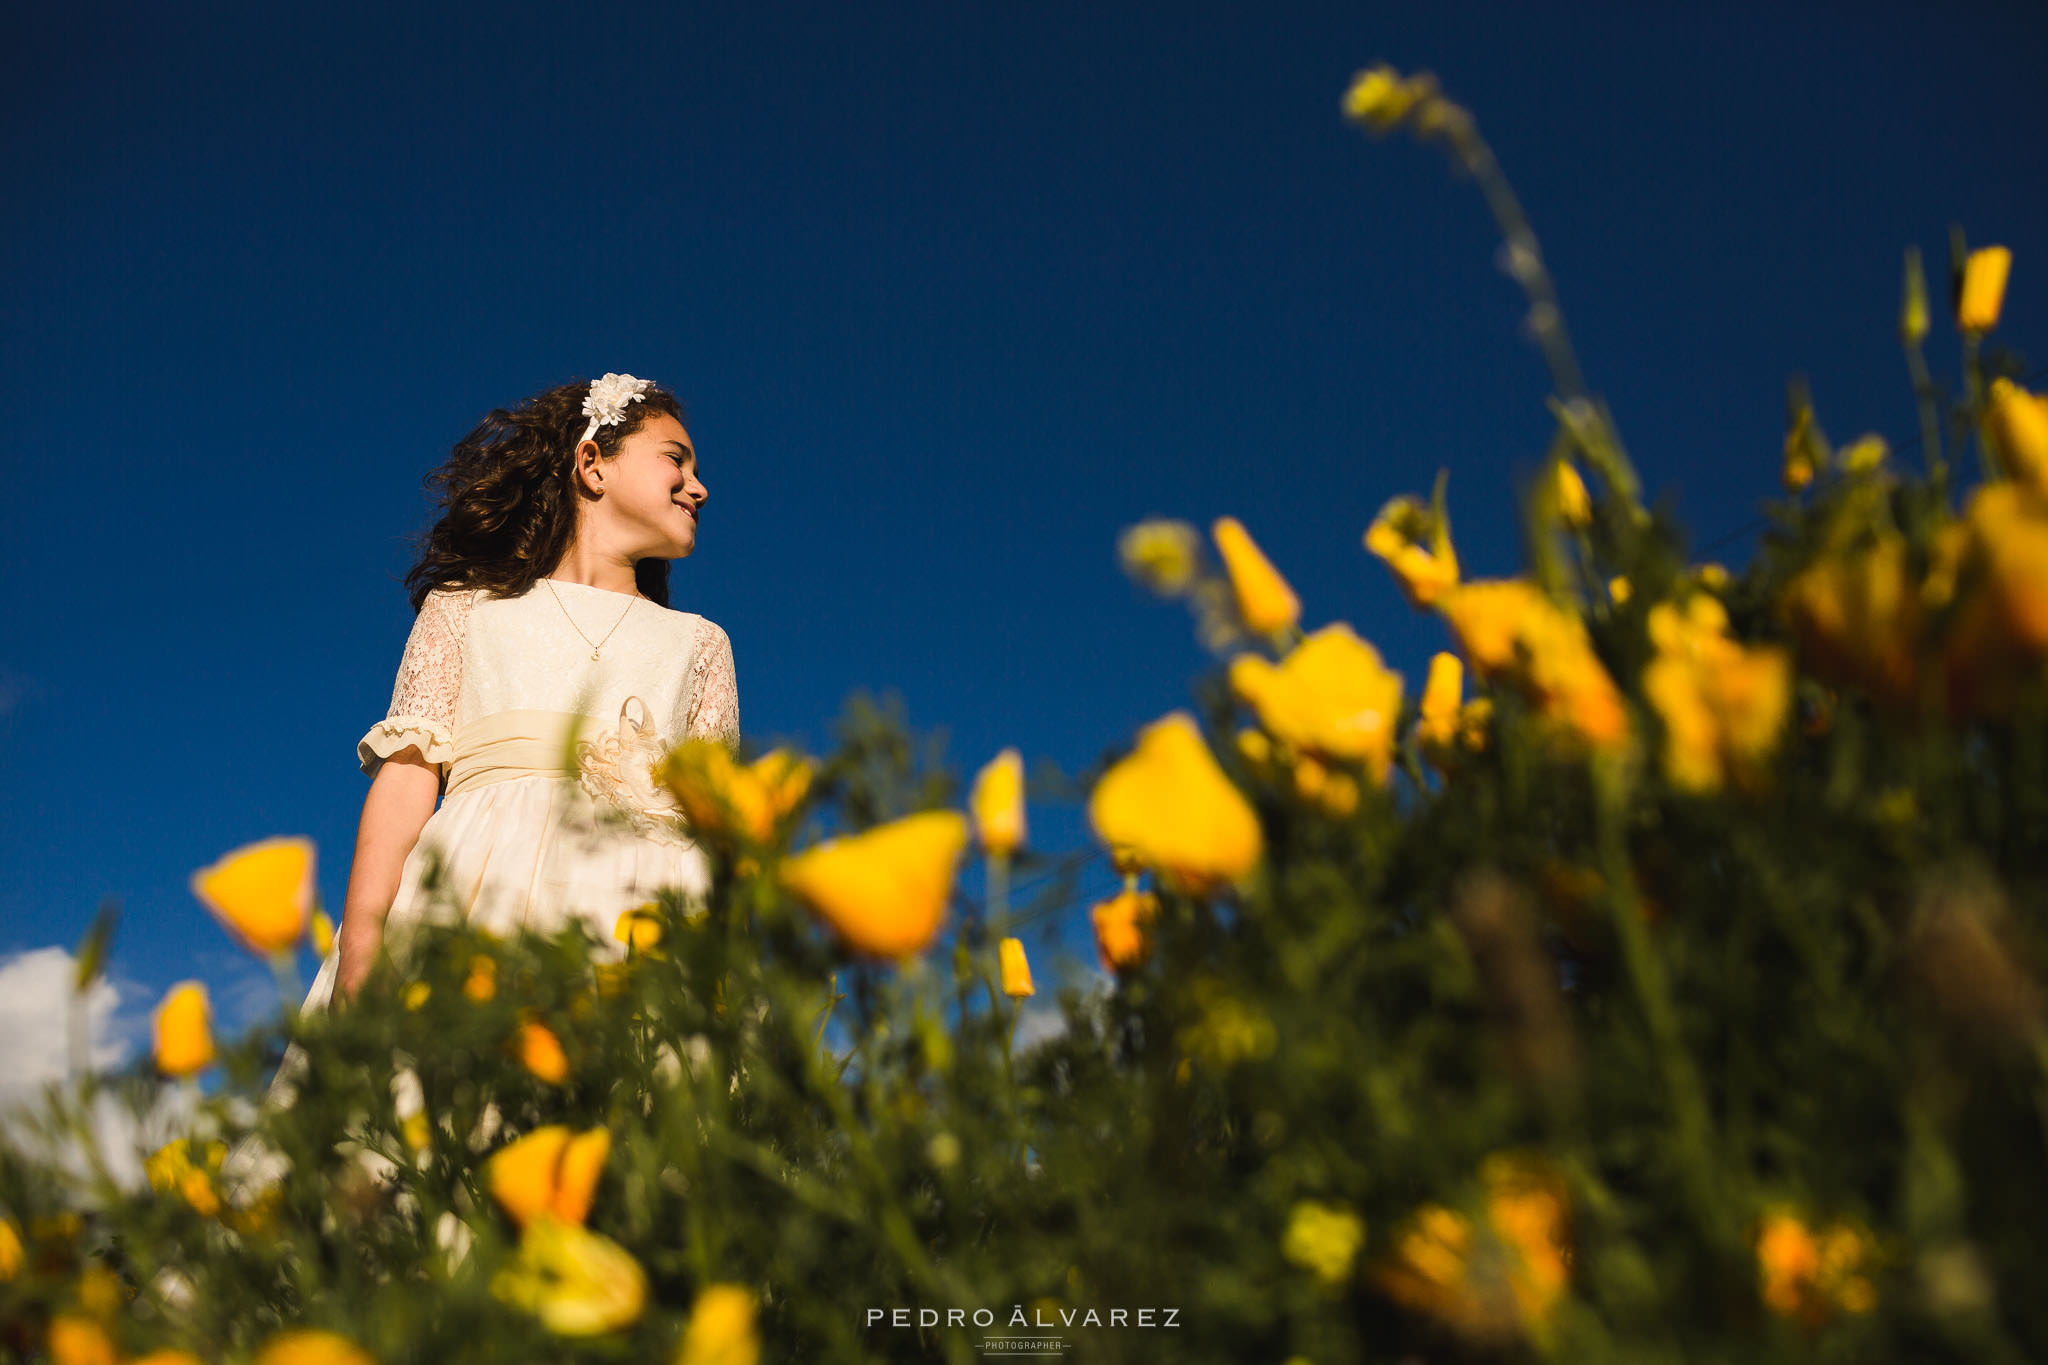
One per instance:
[(588, 457)]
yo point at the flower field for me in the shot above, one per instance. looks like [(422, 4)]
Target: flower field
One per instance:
[(1657, 978)]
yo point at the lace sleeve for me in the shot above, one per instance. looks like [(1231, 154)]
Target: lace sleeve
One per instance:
[(714, 710), (422, 713)]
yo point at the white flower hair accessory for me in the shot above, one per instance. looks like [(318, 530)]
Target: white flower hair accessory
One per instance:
[(605, 404)]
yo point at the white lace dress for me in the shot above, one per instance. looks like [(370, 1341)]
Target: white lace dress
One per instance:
[(529, 831)]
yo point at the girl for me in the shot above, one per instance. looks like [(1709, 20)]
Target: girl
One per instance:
[(542, 600)]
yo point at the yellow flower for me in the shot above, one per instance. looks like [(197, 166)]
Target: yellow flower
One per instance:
[(1495, 1285), (76, 1340), (10, 1249), (1254, 747), (323, 933), (1442, 698), (1618, 588), (1722, 704), (1446, 725), (1264, 600), (1016, 968), (722, 798), (1983, 292), (262, 892), (1121, 937), (1162, 555), (1809, 1277), (640, 928), (170, 1169), (1340, 794), (1858, 619), (1863, 454), (1913, 322), (1568, 494), (2018, 422), (1511, 630), (303, 1347), (1806, 450), (721, 1329), (1330, 696), (416, 994), (575, 1281), (540, 1052), (1227, 1031), (549, 1172), (482, 983), (883, 891), (167, 1357), (1379, 98), (1415, 542), (1173, 807), (997, 801), (1324, 1239), (184, 1038)]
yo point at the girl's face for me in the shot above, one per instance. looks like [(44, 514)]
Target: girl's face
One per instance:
[(652, 495)]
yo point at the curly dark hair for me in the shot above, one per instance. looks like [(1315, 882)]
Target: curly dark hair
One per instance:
[(507, 496)]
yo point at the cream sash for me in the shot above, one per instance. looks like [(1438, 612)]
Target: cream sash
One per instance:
[(511, 744)]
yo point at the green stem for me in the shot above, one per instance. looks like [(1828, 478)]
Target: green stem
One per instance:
[(1695, 1140)]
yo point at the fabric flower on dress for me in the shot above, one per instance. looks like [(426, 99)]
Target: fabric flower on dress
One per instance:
[(618, 769)]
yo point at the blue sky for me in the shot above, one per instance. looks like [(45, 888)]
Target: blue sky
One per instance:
[(953, 294)]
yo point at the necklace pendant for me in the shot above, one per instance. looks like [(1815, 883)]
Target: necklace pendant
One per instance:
[(593, 654)]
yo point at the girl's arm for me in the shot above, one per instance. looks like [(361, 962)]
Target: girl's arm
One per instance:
[(402, 797)]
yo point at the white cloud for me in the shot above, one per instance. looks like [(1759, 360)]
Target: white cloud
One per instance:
[(38, 1015), (1042, 1019)]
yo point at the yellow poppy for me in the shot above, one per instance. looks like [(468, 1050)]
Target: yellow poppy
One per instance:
[(1163, 555), (1858, 617), (304, 1347), (1511, 630), (76, 1340), (1379, 97), (883, 891), (1122, 939), (1495, 1282), (1442, 697), (183, 1033), (1172, 806), (549, 1172), (721, 1329), (171, 1169), (11, 1255), (1330, 696), (323, 933), (1016, 968), (482, 983), (724, 799), (577, 1282), (640, 928), (1264, 600), (1415, 541), (1723, 705), (997, 800), (1811, 1276), (540, 1052), (1324, 1239), (1983, 292), (262, 892), (2018, 423), (1568, 495)]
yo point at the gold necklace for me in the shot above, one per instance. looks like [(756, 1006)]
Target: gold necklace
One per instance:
[(594, 644)]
